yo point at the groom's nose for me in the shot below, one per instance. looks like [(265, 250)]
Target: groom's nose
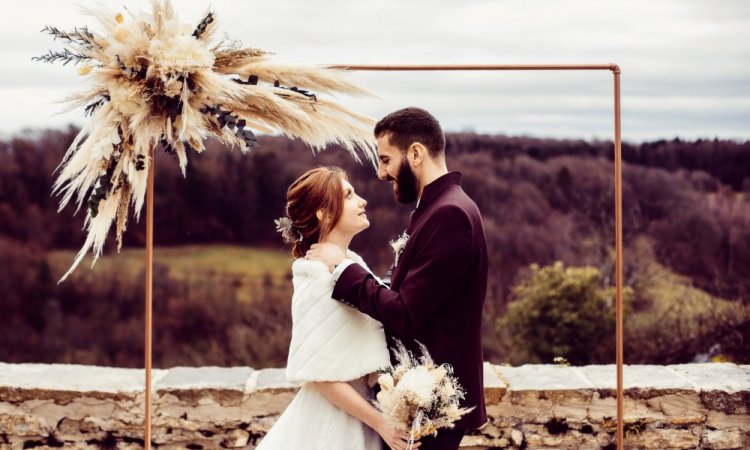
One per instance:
[(382, 174)]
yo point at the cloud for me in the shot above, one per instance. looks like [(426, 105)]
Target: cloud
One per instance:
[(686, 64)]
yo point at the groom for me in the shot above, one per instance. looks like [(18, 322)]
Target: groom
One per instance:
[(439, 280)]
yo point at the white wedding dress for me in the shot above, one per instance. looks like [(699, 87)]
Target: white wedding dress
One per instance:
[(330, 342)]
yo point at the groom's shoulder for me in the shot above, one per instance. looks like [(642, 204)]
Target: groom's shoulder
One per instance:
[(456, 208), (456, 201), (462, 200)]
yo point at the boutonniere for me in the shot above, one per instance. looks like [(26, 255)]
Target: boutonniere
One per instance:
[(398, 245)]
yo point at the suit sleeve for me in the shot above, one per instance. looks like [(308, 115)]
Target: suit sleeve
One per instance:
[(442, 256)]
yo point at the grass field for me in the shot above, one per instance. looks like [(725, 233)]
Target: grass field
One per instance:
[(246, 269), (678, 312), (674, 294), (243, 268)]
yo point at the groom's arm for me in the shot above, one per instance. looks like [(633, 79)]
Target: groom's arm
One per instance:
[(443, 254), (339, 269)]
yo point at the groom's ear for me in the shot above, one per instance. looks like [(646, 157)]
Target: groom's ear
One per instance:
[(416, 153)]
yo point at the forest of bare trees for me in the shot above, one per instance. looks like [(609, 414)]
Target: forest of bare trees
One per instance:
[(686, 210)]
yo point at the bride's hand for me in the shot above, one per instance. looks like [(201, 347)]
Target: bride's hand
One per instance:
[(328, 253), (395, 439)]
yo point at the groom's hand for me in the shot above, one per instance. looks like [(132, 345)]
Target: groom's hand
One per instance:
[(329, 254)]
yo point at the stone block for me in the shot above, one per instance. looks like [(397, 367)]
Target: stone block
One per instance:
[(540, 406), (194, 416), (494, 386), (69, 430), (715, 376), (491, 430), (270, 379), (719, 420), (75, 378), (225, 385), (559, 442), (22, 425), (724, 440), (679, 408), (261, 425), (638, 410), (543, 377), (516, 437), (478, 442), (660, 439), (267, 393), (573, 405), (737, 402), (638, 381), (266, 403), (602, 407), (502, 421), (235, 439)]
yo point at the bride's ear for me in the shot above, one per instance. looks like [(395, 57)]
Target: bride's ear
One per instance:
[(320, 215)]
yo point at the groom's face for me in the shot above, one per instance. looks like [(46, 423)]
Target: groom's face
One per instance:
[(394, 167)]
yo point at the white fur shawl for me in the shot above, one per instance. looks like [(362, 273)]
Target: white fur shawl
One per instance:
[(330, 341)]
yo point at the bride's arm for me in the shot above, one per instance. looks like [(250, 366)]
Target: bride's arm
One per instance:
[(344, 396)]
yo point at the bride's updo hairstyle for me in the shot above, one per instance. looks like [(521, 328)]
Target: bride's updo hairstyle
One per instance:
[(317, 189)]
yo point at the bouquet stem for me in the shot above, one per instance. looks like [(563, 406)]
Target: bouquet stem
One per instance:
[(414, 429)]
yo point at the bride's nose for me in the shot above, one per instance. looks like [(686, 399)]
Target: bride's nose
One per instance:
[(362, 202)]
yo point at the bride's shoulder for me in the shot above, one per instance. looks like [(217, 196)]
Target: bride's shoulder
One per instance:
[(354, 257), (302, 267), (358, 260)]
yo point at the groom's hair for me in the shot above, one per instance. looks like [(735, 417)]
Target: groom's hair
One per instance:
[(409, 125)]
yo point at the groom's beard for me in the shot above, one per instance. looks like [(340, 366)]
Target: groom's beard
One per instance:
[(406, 183)]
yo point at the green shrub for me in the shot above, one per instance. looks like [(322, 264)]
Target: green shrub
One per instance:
[(560, 311)]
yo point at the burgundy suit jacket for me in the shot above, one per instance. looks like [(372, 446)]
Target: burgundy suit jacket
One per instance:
[(437, 288)]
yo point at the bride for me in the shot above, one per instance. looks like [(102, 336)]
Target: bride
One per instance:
[(334, 348)]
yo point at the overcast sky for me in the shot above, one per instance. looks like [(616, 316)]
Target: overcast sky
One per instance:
[(685, 63)]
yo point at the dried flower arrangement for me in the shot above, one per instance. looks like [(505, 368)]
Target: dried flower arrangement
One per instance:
[(419, 396), (159, 82)]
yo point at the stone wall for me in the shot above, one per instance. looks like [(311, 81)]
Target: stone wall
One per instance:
[(696, 406)]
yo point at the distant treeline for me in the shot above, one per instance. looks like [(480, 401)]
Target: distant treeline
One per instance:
[(543, 200), (726, 161)]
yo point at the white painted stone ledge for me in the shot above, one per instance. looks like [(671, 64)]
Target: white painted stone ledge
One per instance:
[(693, 406)]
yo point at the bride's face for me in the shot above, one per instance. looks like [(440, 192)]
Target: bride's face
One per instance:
[(353, 218)]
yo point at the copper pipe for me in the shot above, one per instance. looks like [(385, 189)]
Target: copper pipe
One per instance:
[(396, 67), (618, 182), (618, 259), (494, 67), (149, 290)]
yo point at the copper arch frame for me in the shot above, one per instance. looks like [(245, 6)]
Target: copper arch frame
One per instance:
[(538, 67)]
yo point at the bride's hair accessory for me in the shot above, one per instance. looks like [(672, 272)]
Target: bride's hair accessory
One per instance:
[(289, 232)]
